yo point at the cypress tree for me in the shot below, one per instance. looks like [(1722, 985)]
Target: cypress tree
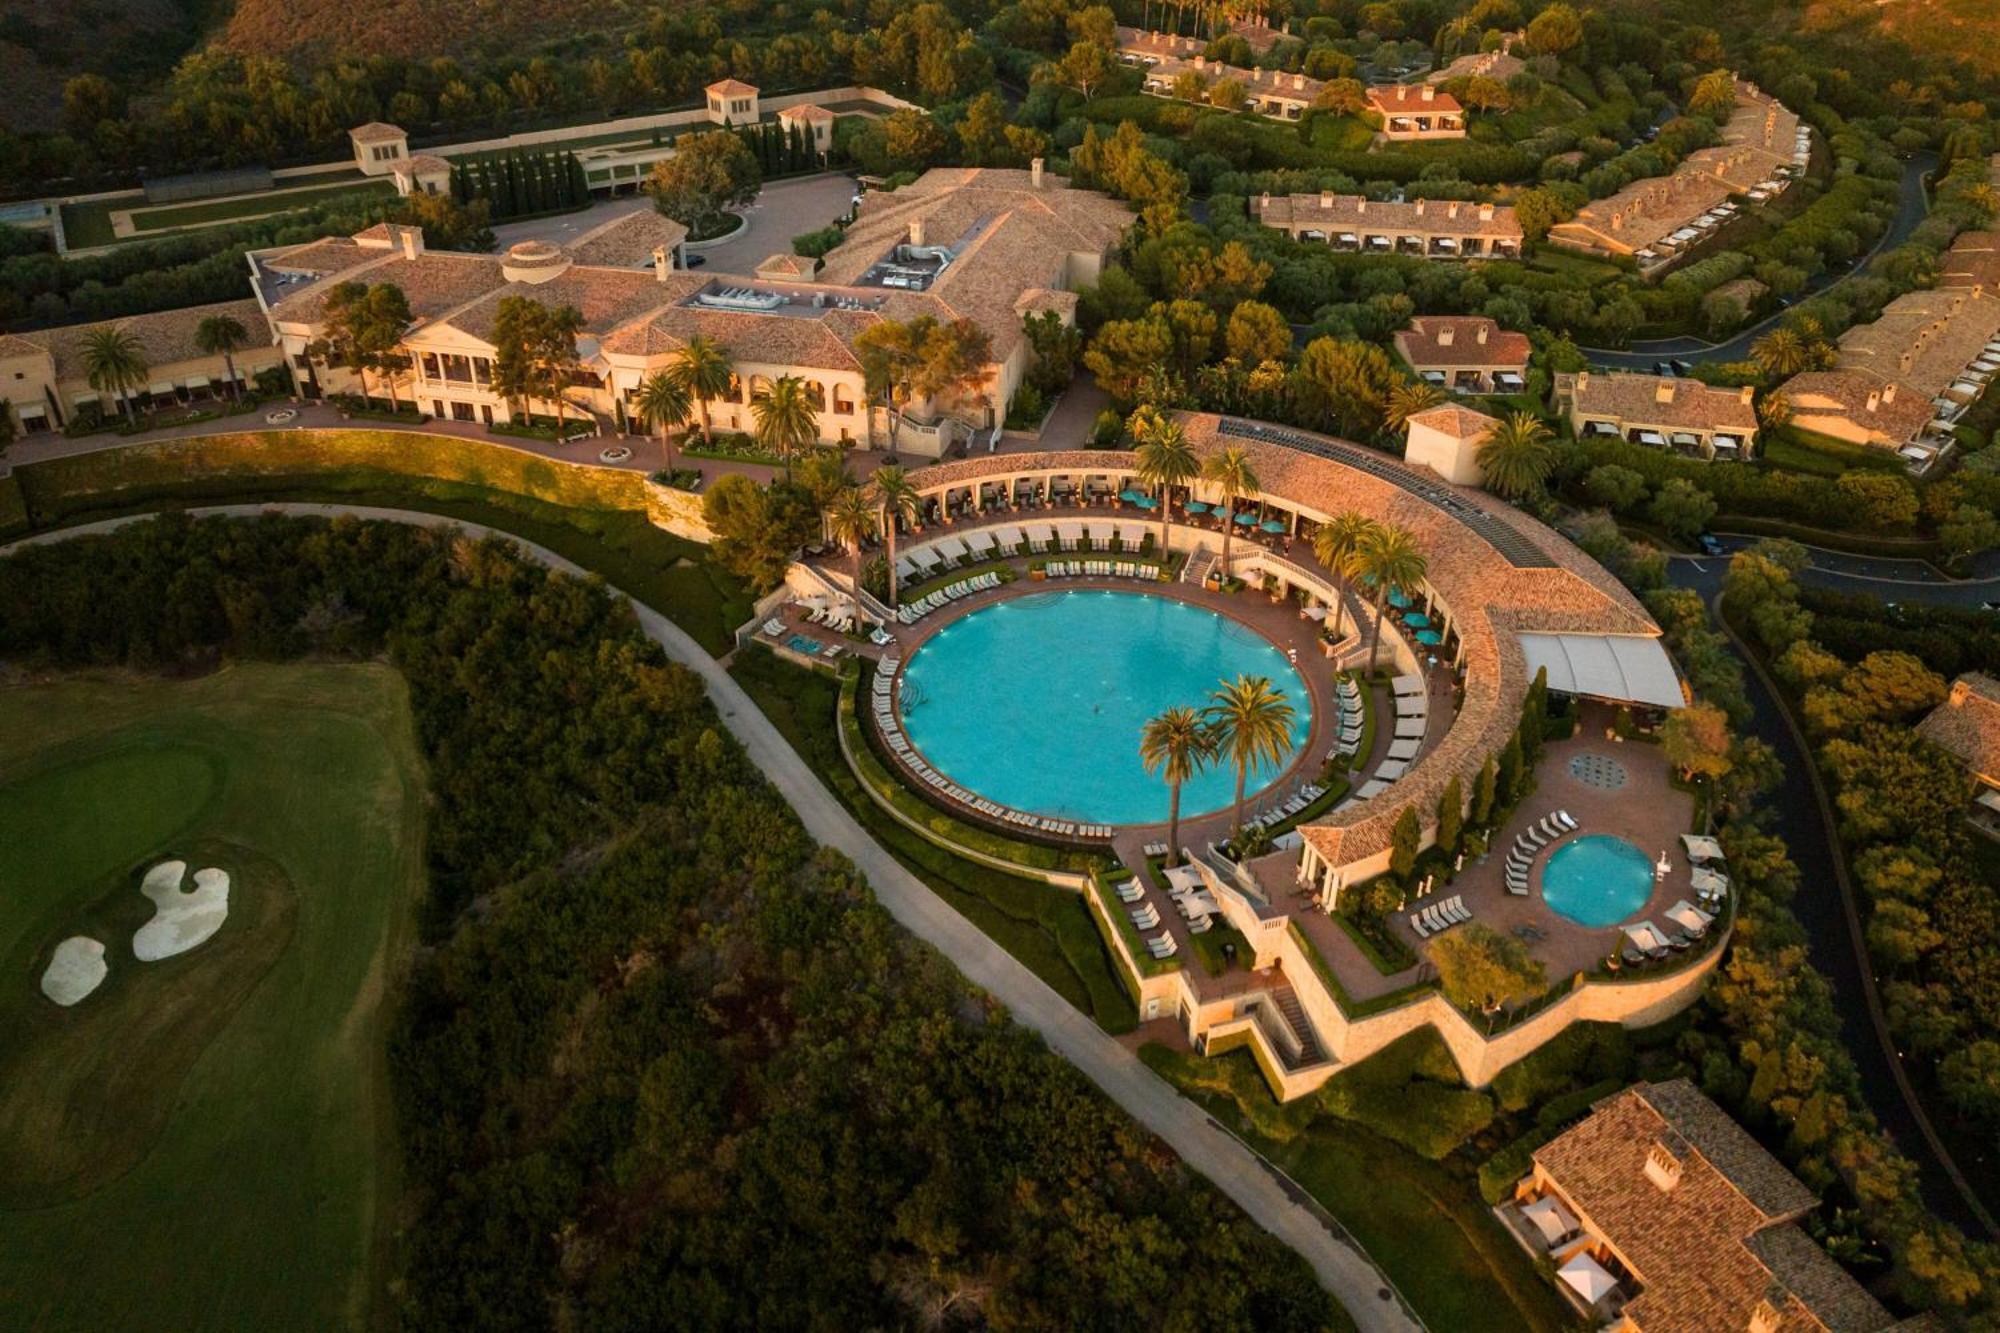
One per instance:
[(1451, 816), (1483, 795)]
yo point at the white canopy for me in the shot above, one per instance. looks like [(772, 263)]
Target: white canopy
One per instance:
[(1391, 769), (1705, 880), (1686, 914), (1133, 535), (1408, 684), (1550, 1218), (1315, 613), (1370, 788), (1404, 749), (1410, 726), (980, 541), (1412, 705), (1624, 668), (1040, 534), (1069, 532), (1646, 935), (1701, 847), (951, 548), (1009, 537), (1100, 535), (1989, 798), (925, 557), (1587, 1278)]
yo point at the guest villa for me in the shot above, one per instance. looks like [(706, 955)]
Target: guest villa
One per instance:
[(1967, 724), (1465, 353), (1683, 415), (1426, 228), (1168, 59)]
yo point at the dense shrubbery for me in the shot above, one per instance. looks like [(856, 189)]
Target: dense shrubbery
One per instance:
[(674, 1068)]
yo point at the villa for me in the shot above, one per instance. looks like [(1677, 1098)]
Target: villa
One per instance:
[(1427, 228), (1659, 219), (1903, 381), (45, 381), (1660, 1214), (1499, 65), (1663, 412), (1465, 353), (1967, 724), (1416, 113), (987, 245), (1446, 440), (1166, 58)]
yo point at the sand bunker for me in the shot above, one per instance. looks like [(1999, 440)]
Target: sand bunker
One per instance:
[(181, 920), (76, 969)]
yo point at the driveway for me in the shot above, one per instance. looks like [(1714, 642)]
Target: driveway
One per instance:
[(785, 209), (1201, 1142)]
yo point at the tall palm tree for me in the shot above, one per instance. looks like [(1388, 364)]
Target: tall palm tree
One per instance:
[(1781, 353), (1252, 722), (221, 335), (1389, 558), (1176, 745), (702, 367), (115, 364), (850, 520), (787, 421), (1409, 398), (1165, 460), (1517, 455), (1230, 470), (662, 403), (1336, 543), (898, 499)]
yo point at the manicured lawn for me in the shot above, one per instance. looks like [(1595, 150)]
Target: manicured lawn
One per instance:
[(89, 224), (1048, 929), (1802, 451), (205, 1141), (251, 205), (1341, 134)]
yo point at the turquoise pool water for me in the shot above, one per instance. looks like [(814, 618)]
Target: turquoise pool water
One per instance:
[(1037, 702), (1597, 880)]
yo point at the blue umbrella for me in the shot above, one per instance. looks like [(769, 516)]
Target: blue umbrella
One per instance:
[(1399, 599), (1195, 507), (1429, 636), (1246, 520), (1131, 496), (1417, 620), (1273, 525), (1146, 502)]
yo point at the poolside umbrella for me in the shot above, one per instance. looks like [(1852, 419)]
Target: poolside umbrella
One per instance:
[(1273, 525), (1430, 638), (1195, 507), (1246, 520), (1143, 501), (1417, 620), (1587, 1278), (1130, 496), (1399, 599)]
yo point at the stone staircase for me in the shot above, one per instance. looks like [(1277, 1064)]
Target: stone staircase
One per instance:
[(1286, 1001), (1198, 565)]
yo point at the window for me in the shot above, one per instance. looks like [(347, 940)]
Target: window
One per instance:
[(841, 402), (482, 370), (461, 411), (816, 392), (430, 362)]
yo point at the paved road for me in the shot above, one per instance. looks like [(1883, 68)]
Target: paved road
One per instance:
[(1889, 578), (782, 210), (1200, 1141), (1912, 206), (1825, 907)]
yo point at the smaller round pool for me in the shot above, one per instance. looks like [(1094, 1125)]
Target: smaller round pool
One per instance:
[(1597, 880)]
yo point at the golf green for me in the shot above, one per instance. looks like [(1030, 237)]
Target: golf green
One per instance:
[(204, 1141)]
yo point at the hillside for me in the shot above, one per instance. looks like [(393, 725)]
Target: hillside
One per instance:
[(1968, 30), (43, 43), (412, 28)]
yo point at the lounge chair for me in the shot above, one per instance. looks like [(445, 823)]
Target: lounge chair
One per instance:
[(1417, 924), (1569, 825), (1200, 924)]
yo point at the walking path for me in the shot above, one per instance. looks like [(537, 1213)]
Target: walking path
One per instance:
[(1273, 1202)]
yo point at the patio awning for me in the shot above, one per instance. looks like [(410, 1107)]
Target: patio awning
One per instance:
[(1704, 880), (925, 557), (1550, 1219), (1391, 769), (160, 389), (1404, 749), (1008, 536), (1100, 534), (1407, 727), (1701, 847), (1315, 613), (1370, 788), (1041, 534), (1646, 935), (980, 542), (1623, 668), (1686, 914), (951, 548), (1132, 534), (30, 411), (1990, 799), (1408, 684), (1587, 1278)]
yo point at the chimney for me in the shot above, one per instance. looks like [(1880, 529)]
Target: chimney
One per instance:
[(1420, 208), (1035, 172), (1201, 62), (1429, 93), (916, 231), (1447, 335), (1747, 395), (1582, 380), (413, 242), (1361, 204), (1874, 399), (1483, 330), (1298, 83), (1326, 199), (1264, 202), (1486, 212), (1961, 691), (1888, 394), (663, 263), (1451, 209), (1664, 391), (1617, 222)]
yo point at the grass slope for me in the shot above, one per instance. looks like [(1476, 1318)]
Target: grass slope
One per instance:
[(204, 1141)]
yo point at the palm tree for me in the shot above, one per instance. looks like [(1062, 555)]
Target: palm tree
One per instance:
[(1389, 558), (115, 364), (1176, 745), (1409, 398), (1781, 353), (1336, 543), (787, 421), (850, 520), (556, 360), (663, 402), (1230, 470), (1166, 460), (221, 335), (1252, 722), (1517, 455), (898, 499), (702, 367)]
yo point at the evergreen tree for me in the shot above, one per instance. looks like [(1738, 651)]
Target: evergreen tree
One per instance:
[(1405, 836), (1513, 773), (1451, 816), (1534, 715), (1485, 793)]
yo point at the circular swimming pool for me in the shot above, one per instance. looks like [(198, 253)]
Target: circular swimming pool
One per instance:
[(1037, 702), (1597, 880)]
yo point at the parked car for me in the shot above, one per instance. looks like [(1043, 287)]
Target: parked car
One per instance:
[(1682, 367), (1711, 544), (696, 261), (1664, 369)]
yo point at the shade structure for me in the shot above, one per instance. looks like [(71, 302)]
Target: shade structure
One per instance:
[(1550, 1219), (1417, 620), (1391, 769), (1430, 638), (1246, 520), (951, 548), (1410, 727), (1315, 613), (1404, 749), (1131, 496), (1133, 535), (1100, 535), (1701, 847), (1707, 881), (1195, 507), (925, 557), (1009, 537), (1623, 668), (1646, 935), (1273, 525), (1408, 684), (1146, 502), (1686, 914), (1399, 599), (1587, 1278), (980, 542)]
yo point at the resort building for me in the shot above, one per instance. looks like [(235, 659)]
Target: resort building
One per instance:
[(45, 379), (1660, 219), (1903, 381), (1168, 59), (1660, 1214), (1967, 724), (1500, 65), (1446, 440), (989, 246), (378, 147), (733, 102), (1416, 112), (813, 123), (1465, 353), (1683, 415), (426, 173), (1428, 228)]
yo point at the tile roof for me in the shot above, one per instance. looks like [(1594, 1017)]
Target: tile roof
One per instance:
[(1171, 56), (1401, 99), (1967, 723), (1636, 400), (420, 164), (731, 87), (1454, 340), (807, 111), (165, 336), (12, 346), (1824, 397), (627, 241), (1706, 1252), (1326, 211), (1480, 64), (436, 281), (376, 131), (1460, 423), (1972, 261), (607, 298)]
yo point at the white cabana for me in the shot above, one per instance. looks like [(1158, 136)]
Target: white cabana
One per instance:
[(1412, 705), (951, 548), (1370, 788), (1988, 799), (1408, 685), (1689, 917), (1646, 936), (1587, 1278), (1009, 537), (1404, 749), (925, 557), (1704, 880), (1314, 613), (1132, 535), (1623, 668), (1100, 535), (980, 542), (1069, 534), (1040, 534), (905, 567), (1183, 879), (1550, 1220), (1701, 847), (1391, 769), (1410, 727)]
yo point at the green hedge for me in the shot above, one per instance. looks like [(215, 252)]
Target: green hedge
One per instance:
[(1134, 938), (1410, 1092), (13, 505), (1498, 1173)]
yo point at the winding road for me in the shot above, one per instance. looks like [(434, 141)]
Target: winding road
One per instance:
[(1826, 902), (1912, 206), (1272, 1201)]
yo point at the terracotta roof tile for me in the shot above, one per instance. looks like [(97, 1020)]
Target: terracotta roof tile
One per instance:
[(1454, 340), (1357, 213), (165, 337), (376, 131), (1967, 723), (1653, 400), (1402, 99), (628, 241)]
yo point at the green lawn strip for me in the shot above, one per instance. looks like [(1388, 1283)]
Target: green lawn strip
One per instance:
[(916, 592), (305, 782), (669, 573), (250, 206), (1426, 1227), (1049, 930), (88, 225), (1799, 450), (1120, 913), (1380, 959), (1348, 1005)]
